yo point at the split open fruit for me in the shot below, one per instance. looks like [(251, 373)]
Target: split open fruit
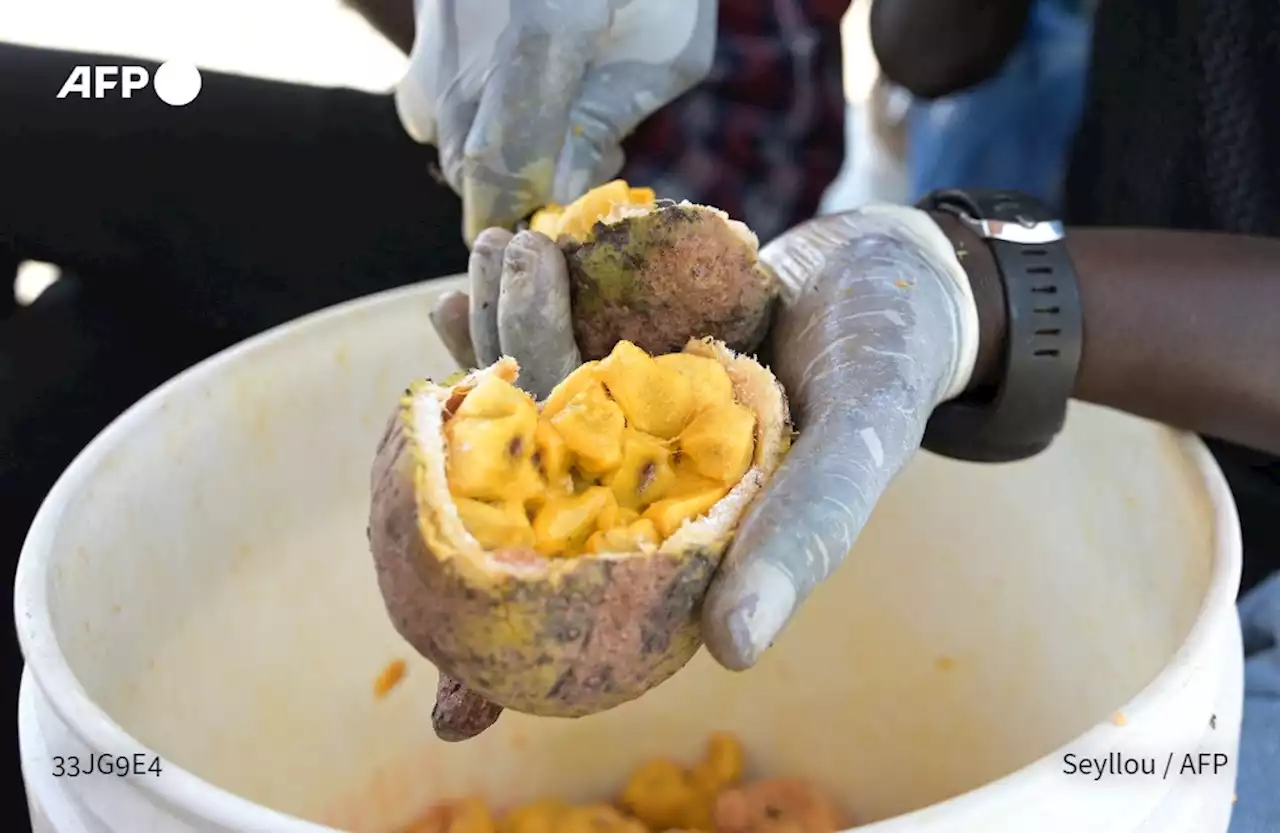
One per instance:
[(552, 557), (656, 272)]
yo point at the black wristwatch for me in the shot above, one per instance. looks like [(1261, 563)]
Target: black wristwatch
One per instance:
[(1044, 334)]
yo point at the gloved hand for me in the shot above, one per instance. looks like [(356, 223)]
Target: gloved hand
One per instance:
[(528, 100), (878, 327)]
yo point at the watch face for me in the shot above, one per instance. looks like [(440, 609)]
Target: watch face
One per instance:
[(999, 215), (1024, 232)]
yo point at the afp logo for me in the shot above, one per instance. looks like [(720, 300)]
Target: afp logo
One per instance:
[(176, 83)]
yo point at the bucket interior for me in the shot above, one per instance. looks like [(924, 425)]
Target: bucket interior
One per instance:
[(212, 589)]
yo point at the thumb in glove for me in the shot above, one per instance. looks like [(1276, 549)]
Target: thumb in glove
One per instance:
[(879, 327)]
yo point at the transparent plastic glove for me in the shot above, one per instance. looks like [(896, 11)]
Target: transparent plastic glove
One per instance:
[(878, 327), (528, 100)]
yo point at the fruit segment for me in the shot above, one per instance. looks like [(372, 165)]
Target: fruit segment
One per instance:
[(623, 453), (578, 218)]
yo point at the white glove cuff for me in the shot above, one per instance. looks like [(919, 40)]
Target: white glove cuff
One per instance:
[(920, 226)]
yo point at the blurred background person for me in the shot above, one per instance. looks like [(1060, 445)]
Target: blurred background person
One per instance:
[(1015, 129), (1012, 128), (875, 156), (1178, 131)]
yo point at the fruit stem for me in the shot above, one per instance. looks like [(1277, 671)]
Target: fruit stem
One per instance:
[(459, 713)]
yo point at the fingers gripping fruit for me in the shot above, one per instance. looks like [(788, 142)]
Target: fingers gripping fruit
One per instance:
[(658, 273), (552, 558)]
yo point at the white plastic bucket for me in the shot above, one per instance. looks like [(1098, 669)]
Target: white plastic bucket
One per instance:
[(198, 586)]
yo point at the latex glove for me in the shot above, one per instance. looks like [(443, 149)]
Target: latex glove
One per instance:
[(518, 306), (878, 327), (528, 100)]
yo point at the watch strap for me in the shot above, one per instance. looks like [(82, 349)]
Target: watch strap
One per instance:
[(1044, 332)]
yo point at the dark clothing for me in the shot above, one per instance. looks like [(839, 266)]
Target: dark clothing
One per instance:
[(1180, 131), (182, 230), (763, 136), (1180, 126)]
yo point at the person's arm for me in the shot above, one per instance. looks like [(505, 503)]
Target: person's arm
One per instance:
[(1179, 327), (937, 47), (392, 18)]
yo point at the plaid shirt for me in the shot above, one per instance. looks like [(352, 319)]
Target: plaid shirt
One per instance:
[(763, 136)]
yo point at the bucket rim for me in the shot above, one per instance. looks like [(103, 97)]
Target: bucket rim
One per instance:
[(190, 794)]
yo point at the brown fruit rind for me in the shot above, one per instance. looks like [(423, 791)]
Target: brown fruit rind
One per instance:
[(562, 637), (459, 713), (658, 277)]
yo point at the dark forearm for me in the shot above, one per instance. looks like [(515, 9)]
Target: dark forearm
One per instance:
[(1179, 327), (392, 18), (937, 47), (1183, 328)]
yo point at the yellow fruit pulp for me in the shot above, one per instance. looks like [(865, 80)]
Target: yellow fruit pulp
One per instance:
[(578, 218), (621, 454), (663, 795), (659, 796)]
